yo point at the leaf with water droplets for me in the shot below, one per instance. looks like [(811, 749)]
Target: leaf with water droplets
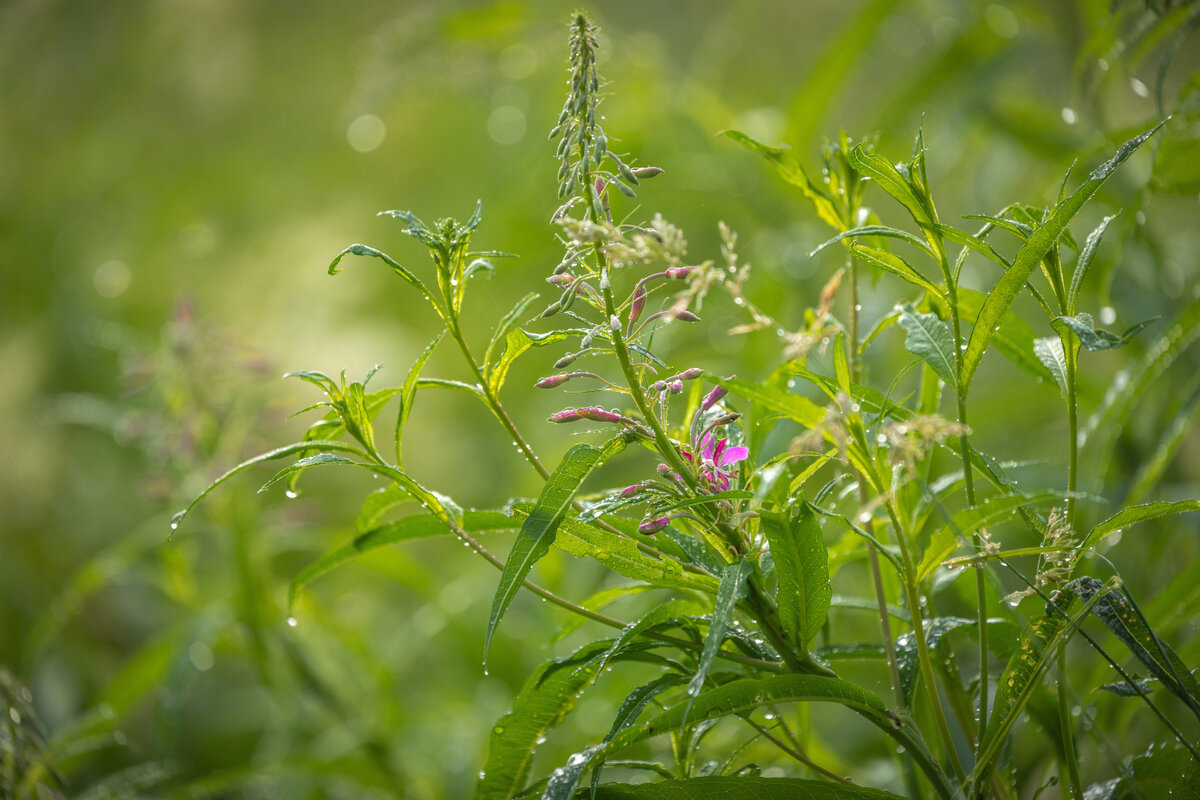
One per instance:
[(516, 342), (539, 529), (930, 338), (741, 787), (1049, 351), (1134, 514), (1093, 338), (732, 589), (403, 272), (802, 566), (506, 324)]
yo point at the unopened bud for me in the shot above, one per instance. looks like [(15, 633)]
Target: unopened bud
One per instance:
[(597, 414), (639, 303), (676, 386), (560, 279), (552, 309), (552, 381), (647, 172), (679, 273), (686, 316), (614, 323), (658, 386), (630, 491), (566, 415), (586, 341), (565, 360), (690, 374), (654, 526), (712, 398)]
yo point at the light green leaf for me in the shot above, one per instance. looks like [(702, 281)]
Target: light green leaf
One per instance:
[(732, 589), (875, 230), (1015, 338), (1134, 514), (539, 529), (408, 394), (403, 272), (596, 602), (307, 461), (417, 526), (791, 171), (280, 452), (890, 262), (741, 787), (1085, 260), (1049, 351), (378, 503), (778, 401), (930, 339), (966, 522), (802, 567), (506, 324), (517, 342), (1031, 254)]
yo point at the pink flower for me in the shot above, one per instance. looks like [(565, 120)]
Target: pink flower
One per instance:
[(717, 462)]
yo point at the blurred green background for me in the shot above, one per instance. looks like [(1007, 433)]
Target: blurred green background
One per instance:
[(174, 180)]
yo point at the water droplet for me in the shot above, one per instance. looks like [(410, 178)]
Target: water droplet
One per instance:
[(1069, 116), (1108, 315), (14, 715), (292, 622), (498, 730), (1139, 88), (454, 281), (291, 495), (541, 740), (481, 774), (174, 526)]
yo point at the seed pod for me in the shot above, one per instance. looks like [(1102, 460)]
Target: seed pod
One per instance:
[(630, 491), (568, 297), (586, 342), (625, 190), (561, 279), (647, 172)]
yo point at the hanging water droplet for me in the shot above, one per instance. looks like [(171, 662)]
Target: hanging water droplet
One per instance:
[(1069, 116), (291, 495), (292, 622), (174, 526)]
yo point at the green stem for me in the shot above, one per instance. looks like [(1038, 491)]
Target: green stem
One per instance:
[(1067, 727), (1068, 731)]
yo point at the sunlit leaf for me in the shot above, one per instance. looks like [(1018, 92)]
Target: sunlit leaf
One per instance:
[(930, 338), (1134, 514), (1049, 351), (408, 394), (802, 566), (1085, 261), (741, 787), (403, 272)]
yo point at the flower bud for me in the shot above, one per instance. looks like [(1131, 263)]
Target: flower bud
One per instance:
[(686, 316), (630, 491), (566, 415), (597, 414), (690, 374), (658, 386), (676, 386), (654, 525), (678, 273), (647, 172), (639, 303), (552, 309), (712, 398), (565, 360), (560, 279), (552, 381), (614, 323)]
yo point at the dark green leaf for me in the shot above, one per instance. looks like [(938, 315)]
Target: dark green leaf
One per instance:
[(1031, 254), (729, 787), (875, 230), (408, 394), (732, 589), (1134, 514), (802, 567), (1092, 337), (930, 338), (540, 527), (935, 630)]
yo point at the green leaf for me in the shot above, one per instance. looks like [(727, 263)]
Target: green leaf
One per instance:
[(307, 461), (1092, 337), (506, 324), (960, 237), (791, 171), (779, 401), (1134, 514), (1031, 254), (741, 787), (669, 612), (1151, 469), (802, 567), (417, 526), (875, 230), (1085, 260), (1049, 351), (1014, 340), (930, 339), (517, 342), (540, 527), (935, 630), (1161, 773), (890, 262), (378, 503), (543, 702), (596, 602), (732, 589), (966, 522), (280, 452), (403, 272), (408, 394), (356, 417)]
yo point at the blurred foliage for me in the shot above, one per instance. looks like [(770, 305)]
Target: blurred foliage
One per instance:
[(175, 179)]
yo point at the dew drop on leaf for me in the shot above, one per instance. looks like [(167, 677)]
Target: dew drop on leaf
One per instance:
[(291, 495), (292, 622)]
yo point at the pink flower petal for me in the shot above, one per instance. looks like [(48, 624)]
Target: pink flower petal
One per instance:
[(732, 455), (707, 446)]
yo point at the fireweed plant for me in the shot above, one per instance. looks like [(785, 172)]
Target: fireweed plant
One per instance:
[(736, 535)]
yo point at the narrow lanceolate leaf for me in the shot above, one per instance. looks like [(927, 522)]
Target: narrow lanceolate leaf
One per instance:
[(537, 534), (517, 342), (1094, 338), (930, 339), (658, 617), (935, 630), (417, 526), (408, 393), (802, 567), (1031, 254), (403, 272), (791, 171), (307, 461), (507, 323), (1015, 338), (1049, 351), (732, 589), (890, 262), (280, 452), (1121, 615), (1085, 260), (546, 698), (966, 522), (739, 787), (1128, 516), (596, 602), (875, 230), (778, 401)]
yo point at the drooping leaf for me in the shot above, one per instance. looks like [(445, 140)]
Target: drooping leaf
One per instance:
[(1161, 773), (1134, 514), (778, 401), (890, 262), (802, 567), (657, 617), (417, 526), (732, 589), (791, 171), (307, 461), (1031, 254), (875, 230), (539, 529), (1094, 338), (378, 503), (506, 324), (930, 339), (1049, 351), (408, 394), (403, 272), (730, 787)]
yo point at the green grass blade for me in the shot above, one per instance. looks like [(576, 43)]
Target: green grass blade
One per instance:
[(307, 461), (280, 452), (540, 527), (417, 526), (966, 522), (802, 570), (1134, 514), (1031, 254), (929, 338)]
